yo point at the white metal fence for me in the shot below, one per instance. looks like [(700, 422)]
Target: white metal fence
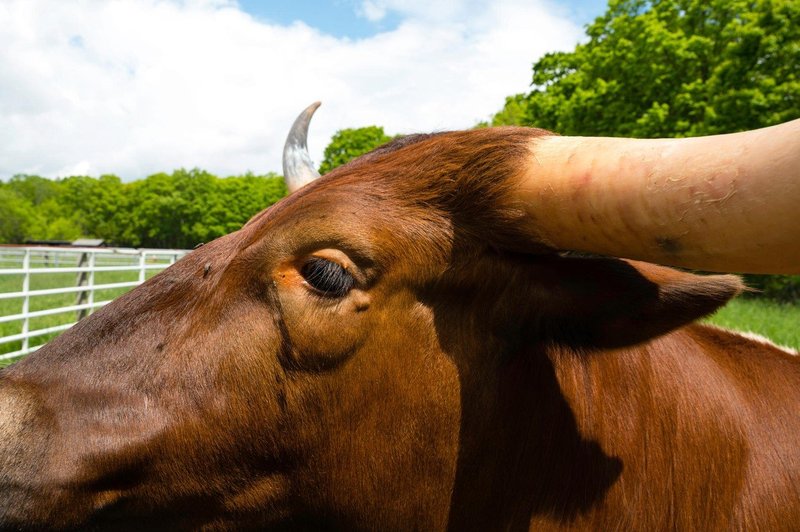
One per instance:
[(46, 290)]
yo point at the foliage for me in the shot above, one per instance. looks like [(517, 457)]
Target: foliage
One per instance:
[(177, 210), (347, 144), (671, 68), (18, 219), (778, 287), (514, 112)]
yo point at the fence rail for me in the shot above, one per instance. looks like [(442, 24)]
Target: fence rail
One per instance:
[(46, 290)]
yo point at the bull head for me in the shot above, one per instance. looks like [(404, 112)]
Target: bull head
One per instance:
[(389, 347)]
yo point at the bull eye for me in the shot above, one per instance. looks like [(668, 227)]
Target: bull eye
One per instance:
[(328, 277)]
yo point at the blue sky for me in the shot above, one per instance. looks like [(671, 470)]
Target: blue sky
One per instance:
[(134, 87), (341, 18), (337, 17)]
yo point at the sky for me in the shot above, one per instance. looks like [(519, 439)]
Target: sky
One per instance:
[(135, 87)]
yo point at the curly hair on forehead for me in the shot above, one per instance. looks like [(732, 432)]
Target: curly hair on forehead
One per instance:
[(466, 177)]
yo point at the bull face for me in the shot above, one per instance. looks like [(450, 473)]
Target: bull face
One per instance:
[(355, 356)]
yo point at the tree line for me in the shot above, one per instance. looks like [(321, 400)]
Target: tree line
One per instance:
[(177, 210)]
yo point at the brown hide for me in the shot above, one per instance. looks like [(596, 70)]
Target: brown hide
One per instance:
[(469, 379)]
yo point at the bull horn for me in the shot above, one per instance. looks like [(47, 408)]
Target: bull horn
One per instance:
[(727, 203), (298, 170)]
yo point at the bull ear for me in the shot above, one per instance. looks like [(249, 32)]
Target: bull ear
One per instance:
[(609, 303)]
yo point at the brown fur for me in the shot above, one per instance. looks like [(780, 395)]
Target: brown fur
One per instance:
[(472, 379)]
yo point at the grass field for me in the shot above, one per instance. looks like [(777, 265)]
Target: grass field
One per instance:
[(778, 322)]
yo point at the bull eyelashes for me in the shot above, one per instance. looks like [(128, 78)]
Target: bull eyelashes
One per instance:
[(327, 277)]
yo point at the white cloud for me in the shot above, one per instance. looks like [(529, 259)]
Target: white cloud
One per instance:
[(135, 87), (371, 11)]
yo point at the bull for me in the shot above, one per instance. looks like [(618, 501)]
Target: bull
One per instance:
[(411, 343)]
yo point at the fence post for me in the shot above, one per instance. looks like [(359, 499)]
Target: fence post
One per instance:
[(92, 258), (26, 299), (141, 266), (82, 278)]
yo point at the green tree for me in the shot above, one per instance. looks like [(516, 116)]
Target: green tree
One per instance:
[(18, 218), (36, 190), (347, 144), (239, 198), (96, 206), (664, 68), (166, 209), (514, 112), (187, 207), (63, 228), (176, 210)]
